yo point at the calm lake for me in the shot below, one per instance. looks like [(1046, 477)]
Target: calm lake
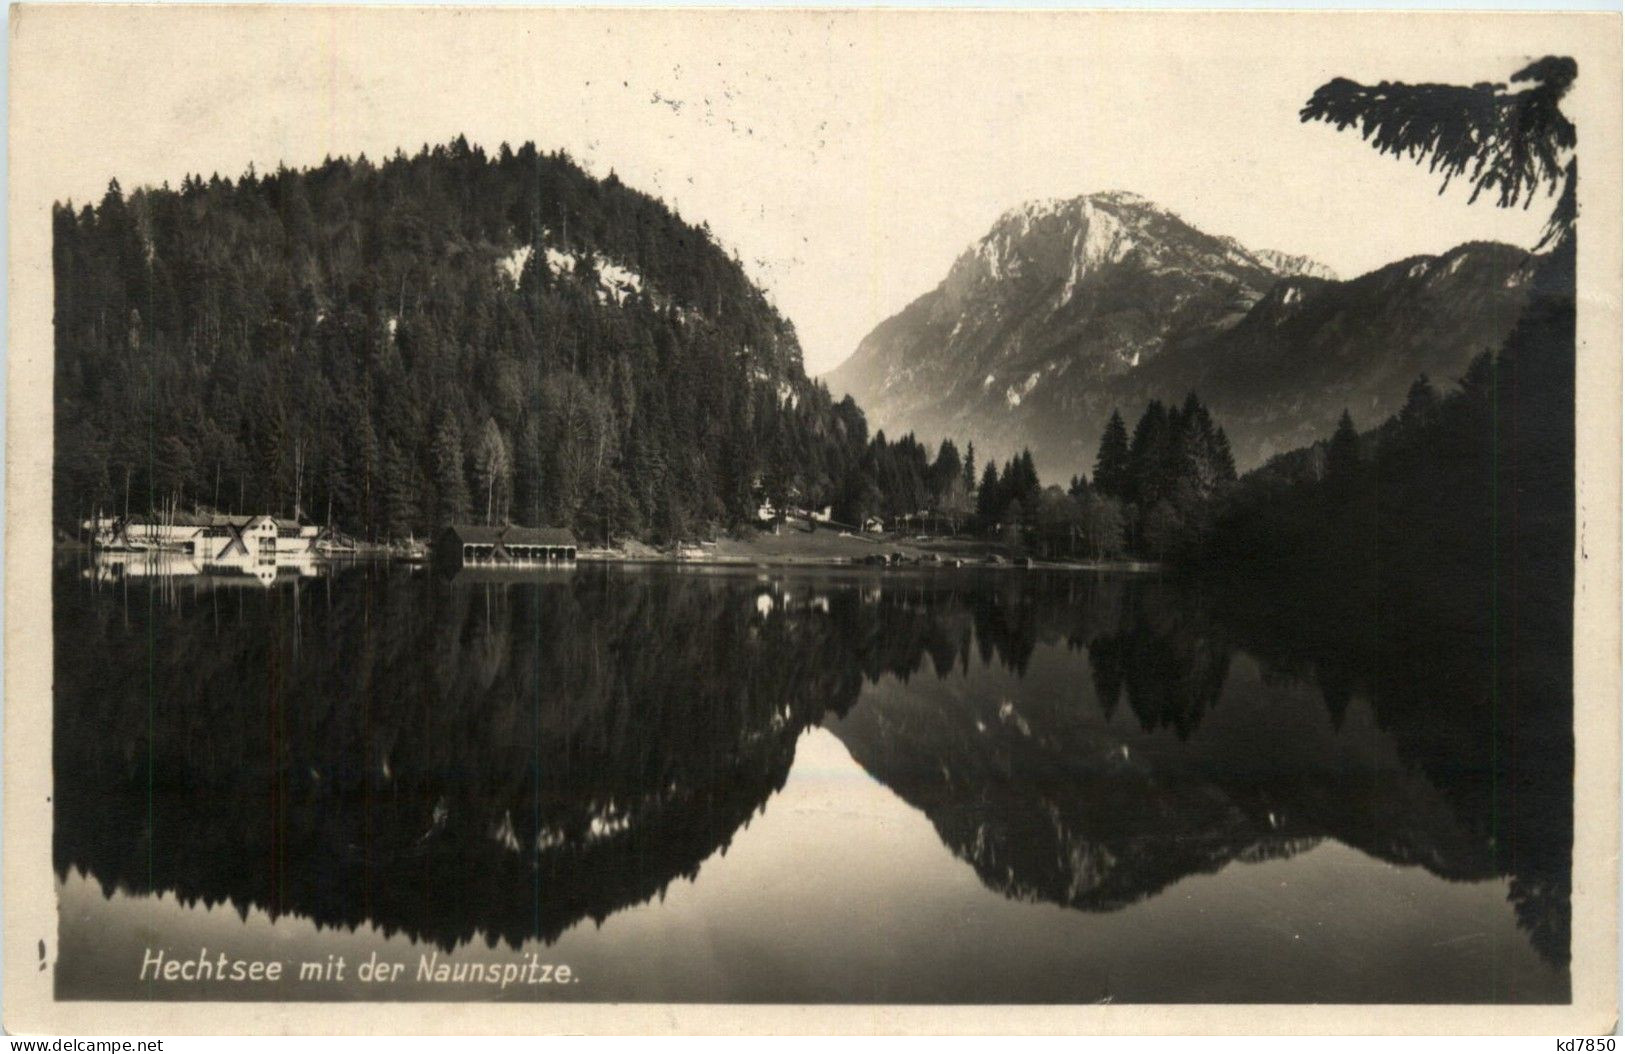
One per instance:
[(829, 785)]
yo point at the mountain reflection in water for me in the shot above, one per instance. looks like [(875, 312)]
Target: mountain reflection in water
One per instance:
[(494, 760)]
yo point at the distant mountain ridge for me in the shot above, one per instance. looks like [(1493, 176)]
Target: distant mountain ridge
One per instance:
[(1280, 377), (1068, 308)]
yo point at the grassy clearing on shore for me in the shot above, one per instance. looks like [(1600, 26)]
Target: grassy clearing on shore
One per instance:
[(795, 544)]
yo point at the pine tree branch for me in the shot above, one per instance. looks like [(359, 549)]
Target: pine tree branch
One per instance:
[(1504, 142)]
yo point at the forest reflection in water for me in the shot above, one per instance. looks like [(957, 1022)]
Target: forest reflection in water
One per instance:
[(489, 761)]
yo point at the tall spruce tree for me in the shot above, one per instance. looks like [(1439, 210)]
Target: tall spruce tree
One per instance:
[(1111, 475), (1147, 455), (989, 496), (1343, 456), (451, 485)]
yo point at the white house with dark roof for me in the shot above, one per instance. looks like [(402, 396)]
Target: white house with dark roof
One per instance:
[(212, 537)]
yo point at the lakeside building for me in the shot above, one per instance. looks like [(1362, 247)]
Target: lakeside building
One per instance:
[(925, 520), (767, 513), (209, 536), (463, 545)]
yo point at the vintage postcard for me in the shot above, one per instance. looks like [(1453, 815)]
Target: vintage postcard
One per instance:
[(549, 520)]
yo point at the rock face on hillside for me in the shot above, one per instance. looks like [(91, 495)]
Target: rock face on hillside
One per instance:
[(1069, 308)]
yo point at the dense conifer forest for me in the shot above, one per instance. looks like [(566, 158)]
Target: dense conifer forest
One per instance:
[(392, 346)]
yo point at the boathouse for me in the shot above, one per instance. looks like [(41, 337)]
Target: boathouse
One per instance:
[(463, 544)]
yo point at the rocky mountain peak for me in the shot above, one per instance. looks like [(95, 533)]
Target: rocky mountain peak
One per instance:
[(1065, 240), (1069, 307)]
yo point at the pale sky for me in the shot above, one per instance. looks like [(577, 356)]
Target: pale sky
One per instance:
[(848, 157)]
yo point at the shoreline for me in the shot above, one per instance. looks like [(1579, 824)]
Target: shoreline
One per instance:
[(883, 557), (910, 562), (850, 563)]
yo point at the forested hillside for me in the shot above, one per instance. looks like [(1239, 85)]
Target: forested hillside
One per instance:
[(452, 335)]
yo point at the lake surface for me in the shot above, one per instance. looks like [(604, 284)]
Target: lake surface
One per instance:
[(829, 785)]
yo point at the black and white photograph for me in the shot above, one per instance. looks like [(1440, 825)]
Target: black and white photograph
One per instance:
[(847, 509)]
